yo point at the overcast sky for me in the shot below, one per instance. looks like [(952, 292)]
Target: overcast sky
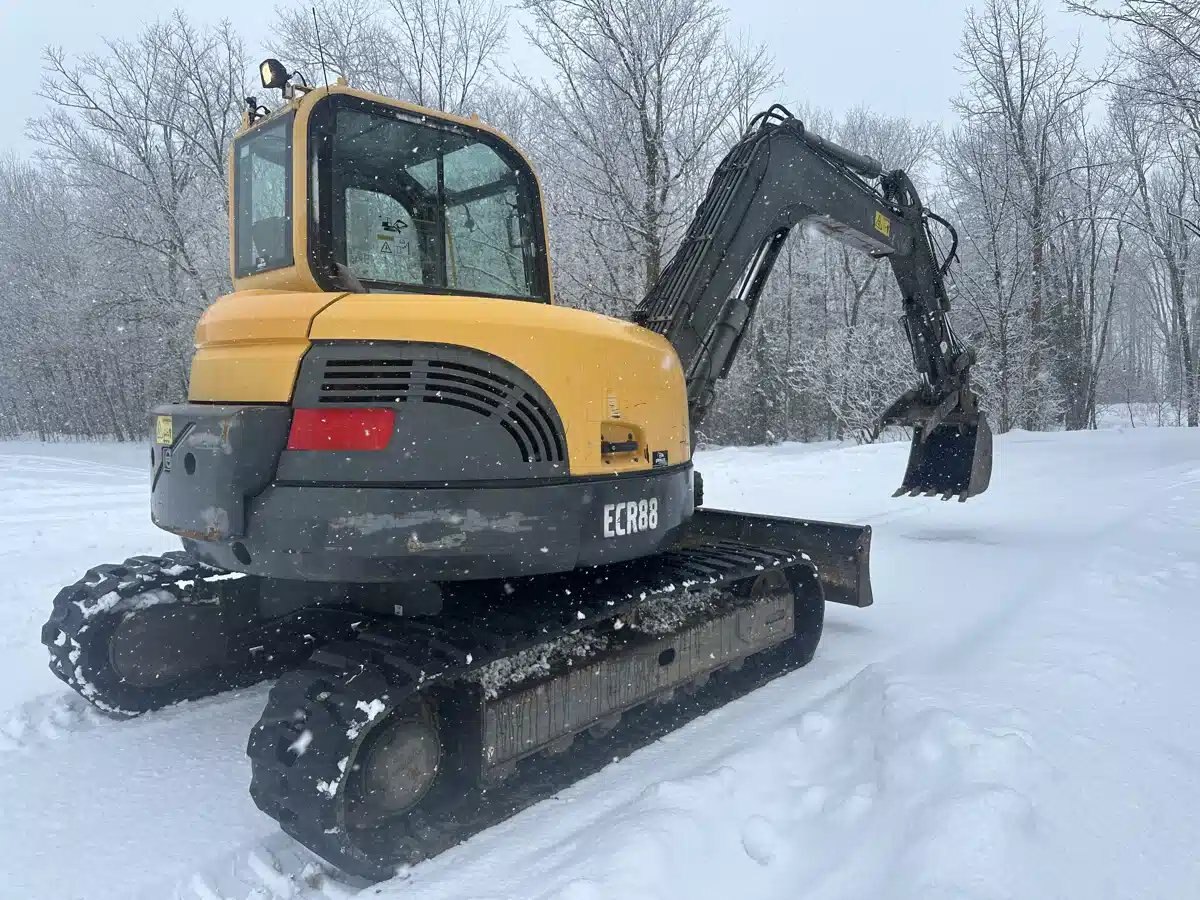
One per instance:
[(896, 56)]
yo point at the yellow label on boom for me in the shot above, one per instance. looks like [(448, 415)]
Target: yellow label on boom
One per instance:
[(883, 225), (164, 430)]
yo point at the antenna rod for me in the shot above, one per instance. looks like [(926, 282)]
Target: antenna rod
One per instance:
[(320, 48)]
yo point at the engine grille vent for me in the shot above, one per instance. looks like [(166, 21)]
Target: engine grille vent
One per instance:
[(489, 395)]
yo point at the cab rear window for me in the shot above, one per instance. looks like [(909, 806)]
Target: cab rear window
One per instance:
[(409, 202)]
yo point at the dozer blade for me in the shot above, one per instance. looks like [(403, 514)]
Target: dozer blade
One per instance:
[(840, 553), (954, 458)]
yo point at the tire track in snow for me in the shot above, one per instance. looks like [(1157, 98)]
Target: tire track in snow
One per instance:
[(21, 463), (50, 718), (1056, 574), (760, 814), (276, 869)]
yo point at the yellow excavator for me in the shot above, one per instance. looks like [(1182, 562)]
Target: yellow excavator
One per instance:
[(459, 522)]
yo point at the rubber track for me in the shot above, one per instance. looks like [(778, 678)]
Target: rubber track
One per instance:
[(102, 597), (316, 714)]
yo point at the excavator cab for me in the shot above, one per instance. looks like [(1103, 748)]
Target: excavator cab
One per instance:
[(397, 200)]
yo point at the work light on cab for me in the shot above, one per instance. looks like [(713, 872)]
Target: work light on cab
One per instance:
[(273, 74)]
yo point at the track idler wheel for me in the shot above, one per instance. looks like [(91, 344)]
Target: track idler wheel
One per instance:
[(808, 608), (129, 640), (394, 768)]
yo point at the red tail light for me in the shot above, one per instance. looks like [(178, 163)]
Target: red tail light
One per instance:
[(341, 429)]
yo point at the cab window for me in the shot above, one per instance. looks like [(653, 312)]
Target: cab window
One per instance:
[(381, 242), (412, 203), (262, 199)]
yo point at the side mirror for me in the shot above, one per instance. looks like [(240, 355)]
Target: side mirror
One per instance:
[(273, 74)]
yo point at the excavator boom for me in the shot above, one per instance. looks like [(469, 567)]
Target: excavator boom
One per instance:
[(778, 176)]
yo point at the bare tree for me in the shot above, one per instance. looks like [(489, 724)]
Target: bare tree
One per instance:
[(128, 207), (1164, 173), (1170, 29), (445, 48), (1158, 90), (437, 53), (1079, 279), (1026, 90), (1086, 248), (640, 91), (992, 278), (150, 148), (353, 42)]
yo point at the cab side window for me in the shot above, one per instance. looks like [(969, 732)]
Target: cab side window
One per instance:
[(262, 199)]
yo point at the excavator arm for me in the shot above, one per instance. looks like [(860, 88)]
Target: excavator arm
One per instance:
[(778, 176)]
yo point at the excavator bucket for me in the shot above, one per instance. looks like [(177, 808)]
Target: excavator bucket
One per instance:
[(954, 458)]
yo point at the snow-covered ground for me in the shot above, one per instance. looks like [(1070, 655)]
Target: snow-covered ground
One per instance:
[(1017, 715)]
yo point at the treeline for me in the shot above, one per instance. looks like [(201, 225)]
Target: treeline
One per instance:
[(1076, 195)]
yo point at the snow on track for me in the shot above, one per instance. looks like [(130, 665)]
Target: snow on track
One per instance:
[(1013, 718)]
